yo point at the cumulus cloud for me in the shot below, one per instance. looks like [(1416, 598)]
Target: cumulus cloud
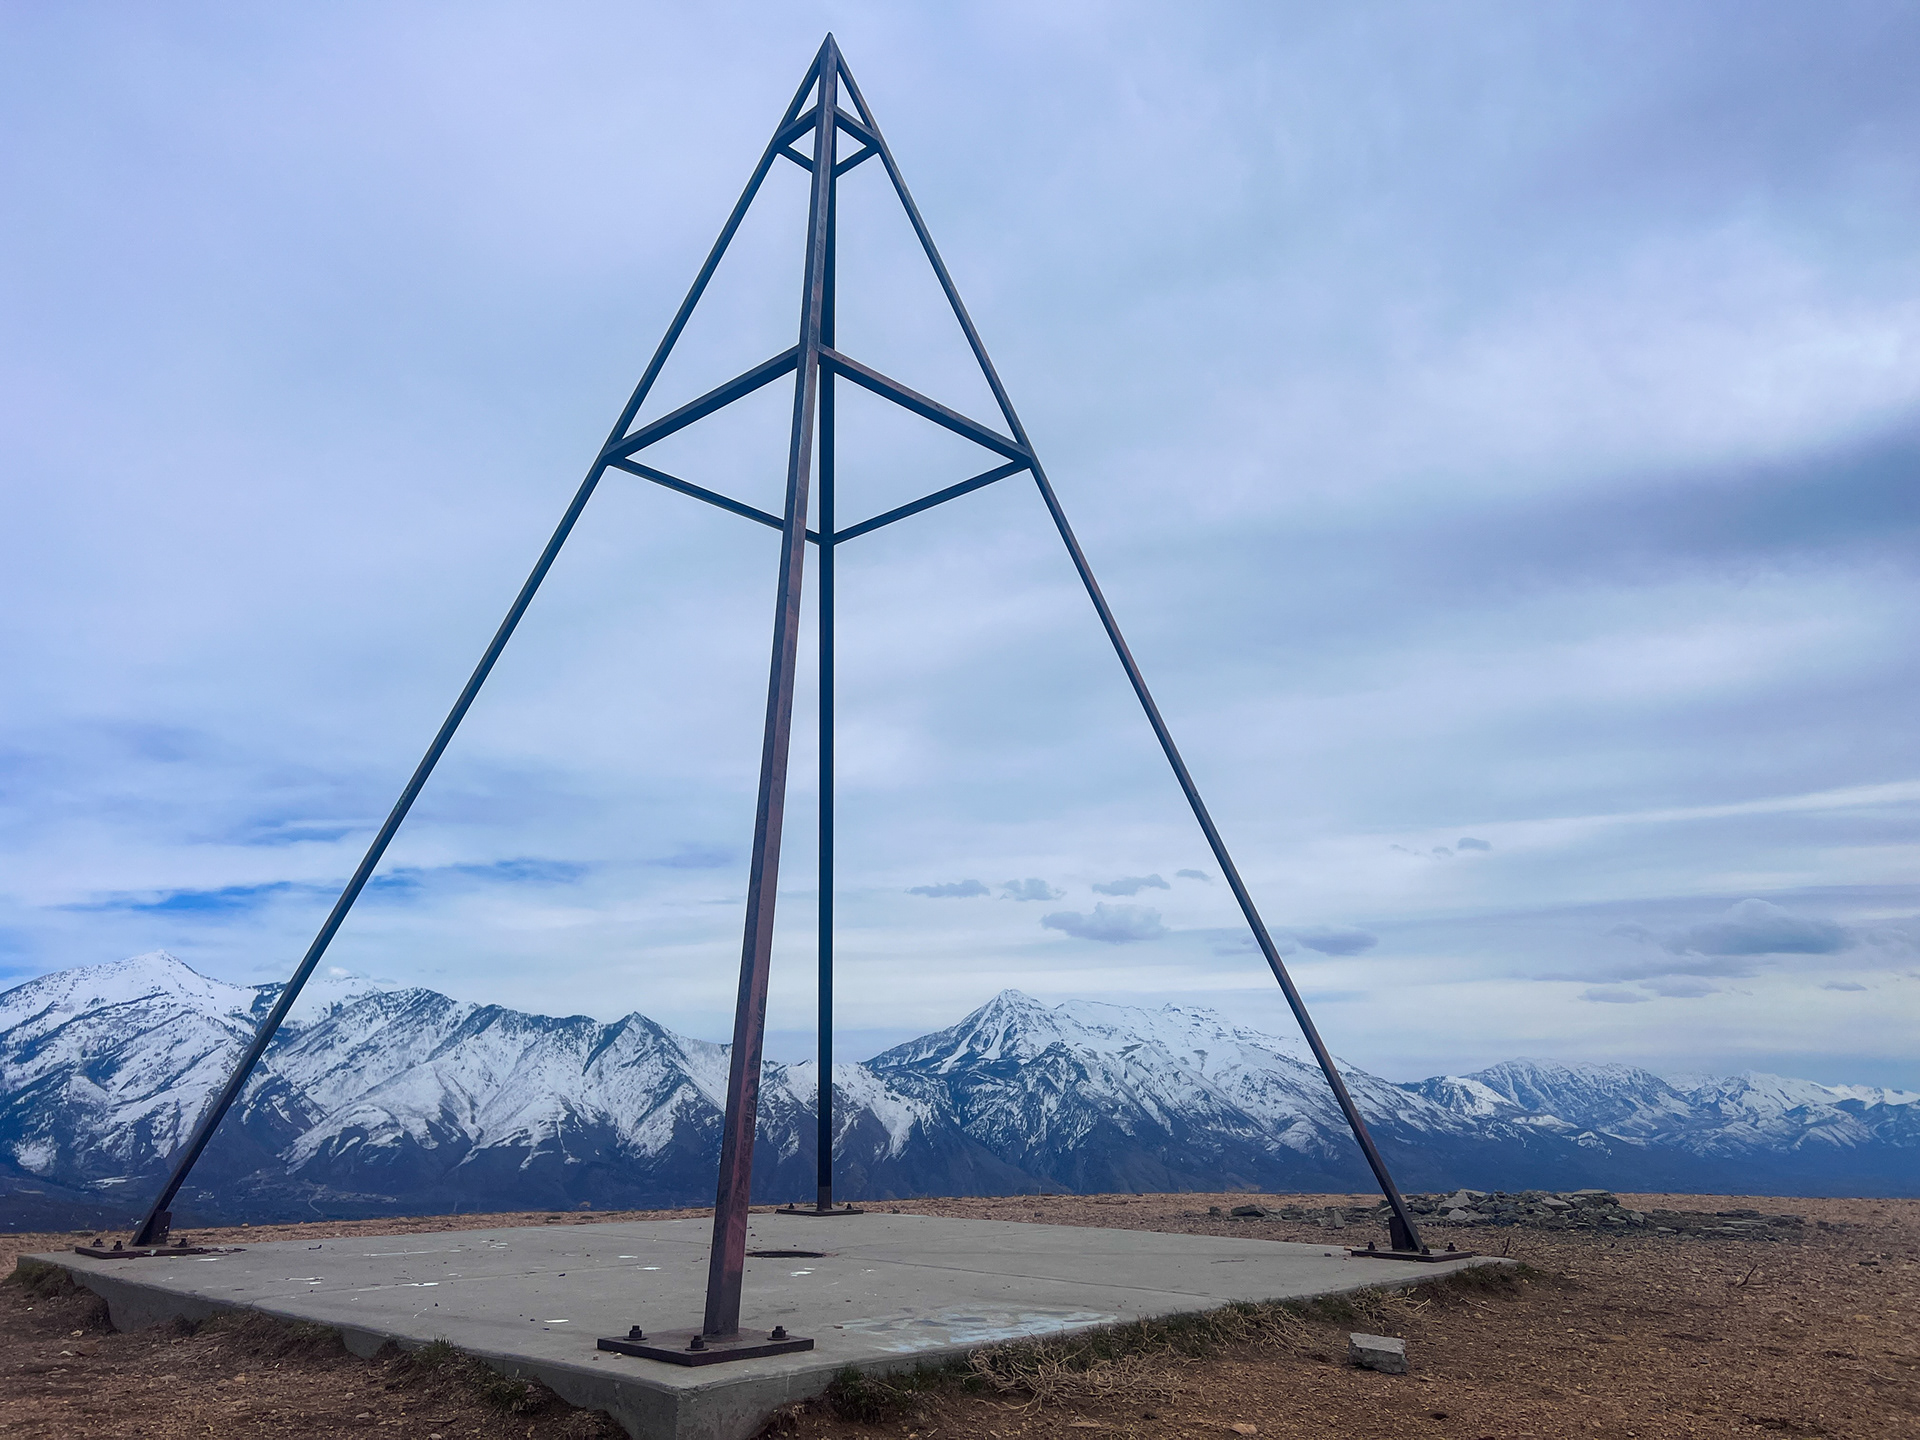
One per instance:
[(1614, 995), (1030, 889), (1132, 885), (954, 890), (1734, 943), (1193, 875), (1755, 927), (1115, 924), (1467, 842), (1335, 939)]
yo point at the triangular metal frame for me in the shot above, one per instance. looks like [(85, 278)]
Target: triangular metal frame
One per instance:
[(816, 366)]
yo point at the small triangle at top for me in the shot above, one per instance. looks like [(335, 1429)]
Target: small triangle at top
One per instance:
[(848, 97)]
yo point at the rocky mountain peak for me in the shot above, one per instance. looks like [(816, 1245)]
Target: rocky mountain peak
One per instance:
[(388, 1101)]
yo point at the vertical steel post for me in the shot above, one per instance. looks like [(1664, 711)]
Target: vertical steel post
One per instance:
[(823, 1105), (727, 1258)]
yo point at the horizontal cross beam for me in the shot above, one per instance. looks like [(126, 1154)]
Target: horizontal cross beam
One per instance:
[(800, 126), (852, 532), (765, 373), (853, 160), (890, 389), (698, 492), (852, 125), (939, 497)]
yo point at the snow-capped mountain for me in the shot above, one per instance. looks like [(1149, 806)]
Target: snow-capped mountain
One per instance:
[(1827, 1136), (377, 1100), (1102, 1097)]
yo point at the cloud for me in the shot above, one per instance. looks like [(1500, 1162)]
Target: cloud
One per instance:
[(1614, 995), (1843, 985), (525, 870), (955, 890), (1755, 927), (226, 900), (1030, 889), (1467, 842), (1731, 944), (696, 857), (1241, 943), (1681, 987), (1896, 935), (1443, 852), (402, 882), (1335, 939), (290, 832), (1115, 924), (412, 880), (1193, 875), (1132, 885)]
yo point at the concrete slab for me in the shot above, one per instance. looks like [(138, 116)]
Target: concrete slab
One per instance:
[(888, 1292)]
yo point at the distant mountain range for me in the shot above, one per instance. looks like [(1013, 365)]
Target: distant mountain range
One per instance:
[(406, 1101)]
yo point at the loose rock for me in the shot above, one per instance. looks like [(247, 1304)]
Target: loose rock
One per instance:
[(1576, 1210), (1378, 1352)]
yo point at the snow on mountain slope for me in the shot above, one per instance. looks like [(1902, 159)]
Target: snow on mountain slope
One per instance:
[(105, 1066), (380, 1100), (1089, 1095), (1775, 1094), (1743, 1115), (113, 987), (1618, 1099)]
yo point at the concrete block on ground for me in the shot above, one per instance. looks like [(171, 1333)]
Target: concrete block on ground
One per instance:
[(1378, 1352)]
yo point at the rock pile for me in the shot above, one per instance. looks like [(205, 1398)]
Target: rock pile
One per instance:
[(1588, 1210)]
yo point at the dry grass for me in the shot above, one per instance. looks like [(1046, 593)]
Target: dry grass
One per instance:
[(1146, 1360), (515, 1396)]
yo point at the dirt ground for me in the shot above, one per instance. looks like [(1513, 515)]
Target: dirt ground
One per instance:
[(1614, 1336)]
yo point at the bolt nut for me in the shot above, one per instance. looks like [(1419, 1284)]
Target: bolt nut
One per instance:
[(779, 1333)]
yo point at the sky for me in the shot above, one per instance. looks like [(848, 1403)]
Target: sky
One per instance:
[(1495, 428)]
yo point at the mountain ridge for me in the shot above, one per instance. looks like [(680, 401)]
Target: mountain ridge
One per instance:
[(376, 1100)]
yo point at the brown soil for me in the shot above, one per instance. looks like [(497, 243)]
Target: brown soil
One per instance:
[(1614, 1336)]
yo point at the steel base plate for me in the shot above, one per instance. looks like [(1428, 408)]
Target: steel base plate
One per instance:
[(672, 1346), (817, 1213), (1424, 1257), (145, 1252)]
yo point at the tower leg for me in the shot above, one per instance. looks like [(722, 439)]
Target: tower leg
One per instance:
[(823, 1107), (727, 1258)]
